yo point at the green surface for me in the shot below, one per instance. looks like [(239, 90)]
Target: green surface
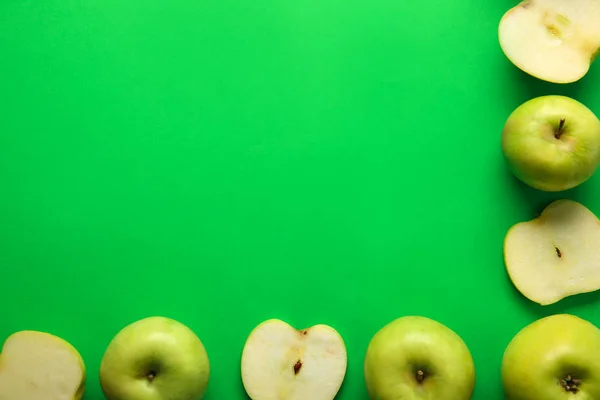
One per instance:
[(222, 162)]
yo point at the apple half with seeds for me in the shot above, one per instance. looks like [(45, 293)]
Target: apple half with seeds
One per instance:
[(552, 40), (284, 363), (555, 255)]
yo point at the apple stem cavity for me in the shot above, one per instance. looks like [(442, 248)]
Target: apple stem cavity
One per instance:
[(297, 367), (561, 129), (570, 384)]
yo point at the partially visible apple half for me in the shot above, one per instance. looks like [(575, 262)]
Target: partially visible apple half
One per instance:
[(40, 366), (555, 255), (280, 362), (552, 40)]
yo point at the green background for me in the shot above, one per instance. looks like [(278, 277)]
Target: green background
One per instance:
[(222, 162)]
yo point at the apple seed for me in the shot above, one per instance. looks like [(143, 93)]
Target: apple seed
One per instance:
[(297, 367), (560, 130)]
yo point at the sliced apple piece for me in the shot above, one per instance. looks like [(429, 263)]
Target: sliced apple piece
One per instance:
[(555, 255), (552, 40), (283, 363), (40, 366)]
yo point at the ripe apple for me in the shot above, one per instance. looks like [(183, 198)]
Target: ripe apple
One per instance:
[(40, 366), (552, 40), (415, 357), (155, 358), (554, 358), (552, 143), (556, 254), (283, 363)]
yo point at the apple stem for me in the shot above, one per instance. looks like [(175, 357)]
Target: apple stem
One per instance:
[(420, 376), (151, 375), (560, 130)]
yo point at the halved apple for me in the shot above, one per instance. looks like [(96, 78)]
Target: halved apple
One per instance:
[(552, 40), (556, 254), (40, 366), (283, 363)]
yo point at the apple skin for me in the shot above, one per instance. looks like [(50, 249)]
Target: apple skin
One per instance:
[(537, 158), (546, 351), (414, 343), (160, 346)]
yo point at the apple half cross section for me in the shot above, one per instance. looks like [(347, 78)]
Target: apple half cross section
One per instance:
[(40, 366), (556, 254), (552, 40), (280, 362)]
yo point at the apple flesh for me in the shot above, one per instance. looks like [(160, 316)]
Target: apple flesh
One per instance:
[(418, 358), (552, 143), (552, 40), (554, 358), (555, 255), (283, 363), (40, 366), (155, 358)]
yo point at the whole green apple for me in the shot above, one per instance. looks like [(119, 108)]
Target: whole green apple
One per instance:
[(553, 358), (552, 143), (417, 358), (155, 358)]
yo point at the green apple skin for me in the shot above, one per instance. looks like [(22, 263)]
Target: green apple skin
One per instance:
[(413, 343), (548, 350), (534, 154), (155, 358)]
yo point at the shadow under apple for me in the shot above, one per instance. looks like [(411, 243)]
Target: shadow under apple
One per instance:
[(536, 87), (566, 305), (537, 200)]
